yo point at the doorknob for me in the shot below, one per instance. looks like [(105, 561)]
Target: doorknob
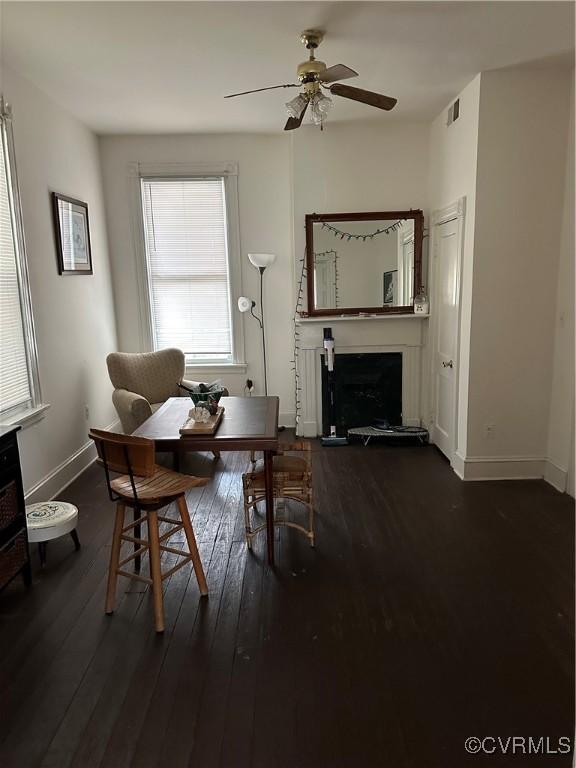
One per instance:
[(449, 364)]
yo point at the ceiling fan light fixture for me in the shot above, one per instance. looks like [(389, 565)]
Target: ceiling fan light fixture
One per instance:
[(321, 105), (296, 105)]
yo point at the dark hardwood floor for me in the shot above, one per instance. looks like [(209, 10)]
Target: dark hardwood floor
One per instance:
[(431, 610)]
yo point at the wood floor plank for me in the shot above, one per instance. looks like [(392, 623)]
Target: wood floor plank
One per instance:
[(430, 610), (180, 732), (238, 726), (209, 724), (128, 722)]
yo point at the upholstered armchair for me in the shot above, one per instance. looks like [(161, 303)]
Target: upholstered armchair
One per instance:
[(143, 381)]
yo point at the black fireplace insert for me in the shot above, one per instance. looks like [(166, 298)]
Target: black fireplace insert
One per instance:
[(368, 387)]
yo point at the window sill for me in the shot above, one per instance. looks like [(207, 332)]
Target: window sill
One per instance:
[(27, 418), (215, 368)]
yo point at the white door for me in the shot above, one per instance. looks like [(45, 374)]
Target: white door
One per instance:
[(447, 301), (325, 296), (405, 283)]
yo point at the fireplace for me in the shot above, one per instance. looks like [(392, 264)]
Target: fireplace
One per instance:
[(368, 386)]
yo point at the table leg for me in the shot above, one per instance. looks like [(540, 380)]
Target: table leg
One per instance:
[(269, 482)]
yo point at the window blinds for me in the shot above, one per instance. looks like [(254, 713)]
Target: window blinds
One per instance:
[(187, 256), (15, 388)]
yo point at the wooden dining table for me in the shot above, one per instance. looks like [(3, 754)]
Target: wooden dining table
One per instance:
[(248, 424)]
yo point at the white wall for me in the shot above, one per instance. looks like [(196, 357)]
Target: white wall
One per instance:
[(281, 178), (352, 167), (560, 468), (265, 207), (453, 164), (522, 141), (74, 315)]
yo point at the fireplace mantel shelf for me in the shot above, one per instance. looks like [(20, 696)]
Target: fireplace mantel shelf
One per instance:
[(347, 318)]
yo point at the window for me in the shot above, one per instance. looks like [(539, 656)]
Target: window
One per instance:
[(188, 266), (19, 389)]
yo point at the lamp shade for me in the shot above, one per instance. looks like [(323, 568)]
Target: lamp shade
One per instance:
[(245, 304), (262, 260)]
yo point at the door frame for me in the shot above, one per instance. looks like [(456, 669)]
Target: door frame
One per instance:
[(455, 211)]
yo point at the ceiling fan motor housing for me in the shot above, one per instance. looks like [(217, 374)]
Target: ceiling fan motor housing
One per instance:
[(310, 71)]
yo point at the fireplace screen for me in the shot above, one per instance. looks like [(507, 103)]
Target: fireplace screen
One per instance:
[(368, 387)]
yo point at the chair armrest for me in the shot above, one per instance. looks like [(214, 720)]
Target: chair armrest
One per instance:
[(133, 409)]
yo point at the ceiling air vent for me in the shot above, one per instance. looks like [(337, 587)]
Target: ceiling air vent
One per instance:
[(453, 112)]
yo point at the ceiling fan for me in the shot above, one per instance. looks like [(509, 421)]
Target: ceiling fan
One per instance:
[(313, 75)]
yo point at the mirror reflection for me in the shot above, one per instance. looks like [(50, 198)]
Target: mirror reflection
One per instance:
[(363, 262)]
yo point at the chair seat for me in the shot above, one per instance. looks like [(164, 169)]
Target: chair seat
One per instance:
[(293, 467), (163, 484)]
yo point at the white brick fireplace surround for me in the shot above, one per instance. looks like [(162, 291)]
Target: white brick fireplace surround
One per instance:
[(389, 333)]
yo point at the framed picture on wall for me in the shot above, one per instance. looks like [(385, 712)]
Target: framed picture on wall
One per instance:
[(72, 235), (389, 287)]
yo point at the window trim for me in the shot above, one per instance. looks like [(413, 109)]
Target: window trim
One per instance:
[(34, 408), (137, 172)]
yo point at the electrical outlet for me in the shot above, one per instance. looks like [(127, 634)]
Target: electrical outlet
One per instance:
[(490, 431), (87, 413)]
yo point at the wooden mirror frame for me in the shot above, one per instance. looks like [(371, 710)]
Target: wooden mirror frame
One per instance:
[(312, 218)]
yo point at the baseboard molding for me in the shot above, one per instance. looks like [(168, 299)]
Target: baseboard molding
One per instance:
[(308, 429), (287, 419), (499, 467), (458, 464), (556, 476), (66, 472)]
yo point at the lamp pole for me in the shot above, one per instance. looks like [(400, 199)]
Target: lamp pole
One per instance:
[(261, 261), (262, 328)]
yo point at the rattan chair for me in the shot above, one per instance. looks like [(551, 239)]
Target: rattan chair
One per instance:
[(146, 488), (292, 479)]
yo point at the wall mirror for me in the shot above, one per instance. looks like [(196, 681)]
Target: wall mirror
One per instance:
[(363, 262)]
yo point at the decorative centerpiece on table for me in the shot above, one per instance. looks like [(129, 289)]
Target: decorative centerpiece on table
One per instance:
[(206, 414), (205, 395)]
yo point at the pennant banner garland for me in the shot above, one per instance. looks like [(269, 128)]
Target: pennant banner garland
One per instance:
[(368, 236)]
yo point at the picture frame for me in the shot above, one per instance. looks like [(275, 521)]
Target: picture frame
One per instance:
[(72, 233), (389, 288)]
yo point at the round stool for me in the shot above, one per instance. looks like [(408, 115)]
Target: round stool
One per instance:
[(50, 520)]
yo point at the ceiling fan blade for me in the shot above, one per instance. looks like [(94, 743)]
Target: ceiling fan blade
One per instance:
[(366, 97), (257, 90), (337, 72), (295, 122)]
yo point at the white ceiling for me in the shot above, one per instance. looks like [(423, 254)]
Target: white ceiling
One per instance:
[(139, 67)]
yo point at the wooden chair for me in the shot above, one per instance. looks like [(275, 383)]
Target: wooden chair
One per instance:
[(292, 479), (146, 488)]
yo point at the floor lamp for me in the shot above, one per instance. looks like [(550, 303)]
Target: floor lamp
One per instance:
[(260, 261)]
